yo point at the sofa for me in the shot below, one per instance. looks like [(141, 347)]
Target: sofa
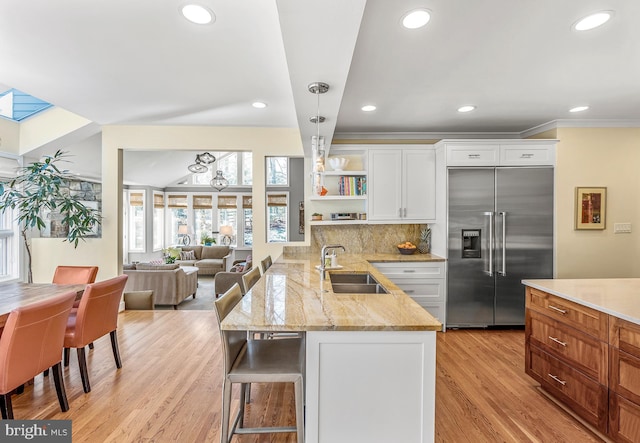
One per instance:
[(170, 283), (208, 259)]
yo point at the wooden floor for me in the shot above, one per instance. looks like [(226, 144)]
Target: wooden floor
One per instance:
[(168, 389)]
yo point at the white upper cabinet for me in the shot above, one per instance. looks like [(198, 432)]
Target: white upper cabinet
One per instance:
[(472, 155), (402, 184), (526, 152)]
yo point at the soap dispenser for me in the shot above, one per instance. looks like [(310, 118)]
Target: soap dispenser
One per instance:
[(334, 259)]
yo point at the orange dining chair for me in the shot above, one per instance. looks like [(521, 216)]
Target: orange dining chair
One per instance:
[(96, 316), (32, 342), (73, 275)]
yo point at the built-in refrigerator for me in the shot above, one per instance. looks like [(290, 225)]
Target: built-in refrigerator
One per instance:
[(500, 231)]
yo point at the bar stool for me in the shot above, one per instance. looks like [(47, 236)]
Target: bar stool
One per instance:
[(266, 263), (257, 361)]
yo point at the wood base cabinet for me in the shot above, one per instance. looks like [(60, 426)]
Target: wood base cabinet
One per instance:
[(624, 381), (588, 360)]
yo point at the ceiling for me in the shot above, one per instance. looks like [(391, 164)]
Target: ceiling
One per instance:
[(141, 62)]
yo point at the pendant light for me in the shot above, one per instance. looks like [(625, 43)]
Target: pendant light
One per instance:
[(219, 182), (202, 160)]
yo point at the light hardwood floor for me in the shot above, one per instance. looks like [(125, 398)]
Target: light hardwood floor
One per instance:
[(168, 389)]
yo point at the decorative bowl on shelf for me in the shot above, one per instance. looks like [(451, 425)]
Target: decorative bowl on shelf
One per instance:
[(407, 248), (338, 163)]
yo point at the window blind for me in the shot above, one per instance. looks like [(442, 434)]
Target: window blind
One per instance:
[(177, 201), (136, 199)]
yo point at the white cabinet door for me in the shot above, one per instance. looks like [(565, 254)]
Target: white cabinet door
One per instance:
[(527, 154), (470, 154), (385, 184), (419, 185), (402, 185)]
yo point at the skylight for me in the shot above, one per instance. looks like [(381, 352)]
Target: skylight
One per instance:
[(16, 105)]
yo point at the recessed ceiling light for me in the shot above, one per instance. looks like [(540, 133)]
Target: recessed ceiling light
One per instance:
[(259, 105), (198, 14), (466, 108), (368, 108), (592, 21), (579, 109), (416, 18)]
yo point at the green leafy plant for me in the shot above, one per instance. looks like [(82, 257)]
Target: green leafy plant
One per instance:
[(37, 188), (206, 238)]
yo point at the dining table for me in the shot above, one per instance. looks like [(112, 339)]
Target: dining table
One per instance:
[(15, 294)]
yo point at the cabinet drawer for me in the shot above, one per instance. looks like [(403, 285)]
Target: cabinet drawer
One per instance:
[(584, 352), (584, 319), (435, 309), (625, 336), (432, 291), (410, 269), (585, 396), (514, 155), (624, 419), (472, 155), (625, 374)]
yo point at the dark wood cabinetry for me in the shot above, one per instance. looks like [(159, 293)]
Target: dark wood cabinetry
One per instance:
[(567, 353), (624, 380), (588, 360)]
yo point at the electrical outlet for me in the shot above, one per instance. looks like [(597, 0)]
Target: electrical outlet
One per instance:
[(622, 228)]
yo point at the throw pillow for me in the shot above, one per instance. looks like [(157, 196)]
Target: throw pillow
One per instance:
[(238, 268), (187, 255)]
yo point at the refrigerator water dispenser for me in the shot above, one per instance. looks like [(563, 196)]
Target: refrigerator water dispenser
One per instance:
[(471, 243)]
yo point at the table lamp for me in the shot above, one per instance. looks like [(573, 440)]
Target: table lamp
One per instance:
[(226, 232), (184, 231)]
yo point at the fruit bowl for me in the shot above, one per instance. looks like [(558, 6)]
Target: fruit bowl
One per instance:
[(338, 163), (407, 251), (407, 248)]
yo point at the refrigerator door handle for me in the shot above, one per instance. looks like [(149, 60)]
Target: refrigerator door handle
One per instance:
[(489, 272), (503, 272)]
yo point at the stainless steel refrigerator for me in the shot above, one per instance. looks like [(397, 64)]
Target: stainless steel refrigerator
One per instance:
[(500, 231)]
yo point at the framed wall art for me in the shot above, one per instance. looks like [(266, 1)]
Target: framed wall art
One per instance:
[(591, 208)]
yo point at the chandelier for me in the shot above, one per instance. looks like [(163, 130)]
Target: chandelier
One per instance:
[(202, 160), (201, 165), (219, 182)]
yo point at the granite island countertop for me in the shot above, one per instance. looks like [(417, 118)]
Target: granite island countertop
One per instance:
[(291, 296), (619, 297)]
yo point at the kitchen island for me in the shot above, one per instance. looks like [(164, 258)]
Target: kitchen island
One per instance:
[(370, 358), (582, 344)]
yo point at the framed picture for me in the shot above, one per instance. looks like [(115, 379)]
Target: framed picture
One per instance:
[(591, 208)]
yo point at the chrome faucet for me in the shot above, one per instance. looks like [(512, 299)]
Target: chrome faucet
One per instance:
[(323, 254)]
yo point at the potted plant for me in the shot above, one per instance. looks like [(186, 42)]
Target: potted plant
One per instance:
[(37, 187), (316, 216), (207, 239)]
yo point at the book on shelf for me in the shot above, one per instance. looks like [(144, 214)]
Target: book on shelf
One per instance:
[(350, 185)]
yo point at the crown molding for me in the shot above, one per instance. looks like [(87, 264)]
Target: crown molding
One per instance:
[(420, 137)]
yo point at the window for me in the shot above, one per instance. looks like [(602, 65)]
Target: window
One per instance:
[(247, 168), (277, 216), (177, 205), (228, 164), (235, 166), (8, 246), (228, 216), (277, 171), (136, 221), (158, 221), (247, 211), (203, 216)]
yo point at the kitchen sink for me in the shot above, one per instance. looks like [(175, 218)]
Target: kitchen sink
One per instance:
[(351, 277), (355, 283), (358, 288)]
